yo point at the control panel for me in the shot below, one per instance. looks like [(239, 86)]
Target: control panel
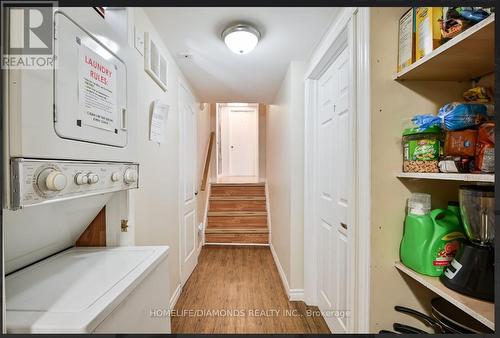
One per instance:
[(42, 181)]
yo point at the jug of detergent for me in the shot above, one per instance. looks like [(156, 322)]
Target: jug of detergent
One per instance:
[(430, 238)]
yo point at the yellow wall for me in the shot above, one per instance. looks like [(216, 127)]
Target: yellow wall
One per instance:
[(392, 104)]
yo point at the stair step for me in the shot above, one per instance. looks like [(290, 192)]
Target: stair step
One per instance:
[(259, 184), (237, 206), (209, 230), (237, 238), (238, 198), (222, 191), (236, 213), (237, 222)]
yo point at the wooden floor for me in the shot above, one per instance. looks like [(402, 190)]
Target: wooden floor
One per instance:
[(244, 282)]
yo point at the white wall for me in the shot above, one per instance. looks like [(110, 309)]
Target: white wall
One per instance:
[(285, 174), (156, 201)]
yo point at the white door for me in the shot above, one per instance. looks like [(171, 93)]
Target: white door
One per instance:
[(333, 184), (239, 141), (188, 183)]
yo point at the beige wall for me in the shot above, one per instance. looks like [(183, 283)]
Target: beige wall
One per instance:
[(262, 140), (285, 176), (156, 201), (213, 121), (393, 103)]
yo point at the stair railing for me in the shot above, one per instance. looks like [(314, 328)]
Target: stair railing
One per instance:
[(204, 179)]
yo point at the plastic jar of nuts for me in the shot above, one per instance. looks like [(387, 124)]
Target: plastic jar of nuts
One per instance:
[(421, 149)]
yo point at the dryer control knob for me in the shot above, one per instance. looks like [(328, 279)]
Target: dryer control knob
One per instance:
[(116, 176), (94, 179), (130, 176), (81, 179), (53, 180)]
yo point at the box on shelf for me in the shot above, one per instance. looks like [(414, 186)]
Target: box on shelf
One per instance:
[(427, 30), (406, 40)]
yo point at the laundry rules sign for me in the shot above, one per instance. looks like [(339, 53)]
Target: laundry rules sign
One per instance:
[(97, 90)]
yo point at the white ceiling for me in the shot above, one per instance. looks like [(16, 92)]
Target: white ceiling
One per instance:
[(217, 74)]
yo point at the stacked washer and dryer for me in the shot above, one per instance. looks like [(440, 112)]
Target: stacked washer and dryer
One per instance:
[(70, 145)]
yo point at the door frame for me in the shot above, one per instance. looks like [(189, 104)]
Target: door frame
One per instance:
[(181, 121), (351, 30), (218, 136)]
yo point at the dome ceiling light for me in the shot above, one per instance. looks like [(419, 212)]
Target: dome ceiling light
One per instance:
[(241, 38)]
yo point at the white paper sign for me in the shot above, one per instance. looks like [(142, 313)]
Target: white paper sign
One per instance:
[(97, 90), (158, 121)]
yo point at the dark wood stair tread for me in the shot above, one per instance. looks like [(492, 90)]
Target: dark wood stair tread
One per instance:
[(237, 213), (260, 184), (210, 230), (238, 198), (247, 238)]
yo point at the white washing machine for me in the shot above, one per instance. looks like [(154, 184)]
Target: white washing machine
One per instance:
[(91, 290), (71, 150), (52, 286)]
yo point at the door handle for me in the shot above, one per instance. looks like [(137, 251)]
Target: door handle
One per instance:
[(232, 147), (343, 225), (196, 193)]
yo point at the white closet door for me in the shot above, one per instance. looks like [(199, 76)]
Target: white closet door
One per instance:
[(333, 191)]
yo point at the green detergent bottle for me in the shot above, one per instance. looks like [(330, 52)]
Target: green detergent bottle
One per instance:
[(431, 238)]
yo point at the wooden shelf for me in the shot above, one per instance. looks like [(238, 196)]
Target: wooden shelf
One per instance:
[(467, 56), (450, 177), (481, 310)]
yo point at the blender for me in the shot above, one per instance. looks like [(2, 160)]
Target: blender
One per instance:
[(471, 272)]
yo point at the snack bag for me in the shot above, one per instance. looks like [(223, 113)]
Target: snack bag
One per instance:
[(477, 94), (460, 143), (485, 148)]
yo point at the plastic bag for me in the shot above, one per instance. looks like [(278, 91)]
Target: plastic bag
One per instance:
[(485, 148), (454, 116), (472, 14)]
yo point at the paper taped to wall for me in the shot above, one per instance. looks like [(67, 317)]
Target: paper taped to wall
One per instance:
[(158, 121), (97, 90)]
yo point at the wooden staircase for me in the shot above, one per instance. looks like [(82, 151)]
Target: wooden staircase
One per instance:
[(237, 214)]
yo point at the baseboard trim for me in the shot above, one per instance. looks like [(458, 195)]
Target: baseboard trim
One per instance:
[(175, 296), (296, 294), (293, 294)]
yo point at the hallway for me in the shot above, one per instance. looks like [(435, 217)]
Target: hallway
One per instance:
[(243, 280)]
